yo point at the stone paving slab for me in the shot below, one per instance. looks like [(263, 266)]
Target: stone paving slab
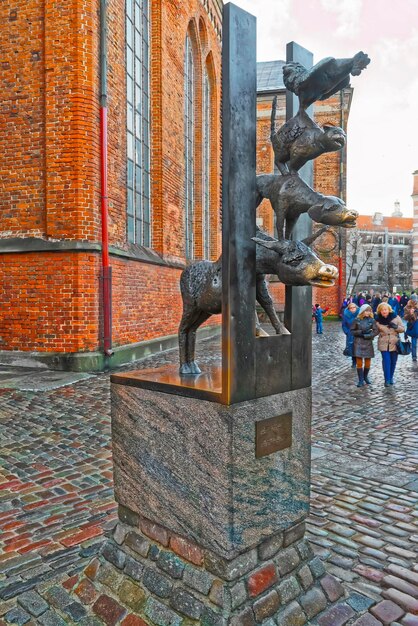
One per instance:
[(56, 496), (31, 379)]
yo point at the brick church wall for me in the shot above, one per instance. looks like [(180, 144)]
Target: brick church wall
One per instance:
[(50, 166)]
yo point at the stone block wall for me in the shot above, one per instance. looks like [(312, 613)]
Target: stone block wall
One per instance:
[(145, 572)]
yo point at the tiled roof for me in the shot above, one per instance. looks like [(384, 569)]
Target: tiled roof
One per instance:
[(270, 76), (393, 224)]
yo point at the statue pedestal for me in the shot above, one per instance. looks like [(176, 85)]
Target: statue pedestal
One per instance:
[(191, 465), (212, 501)]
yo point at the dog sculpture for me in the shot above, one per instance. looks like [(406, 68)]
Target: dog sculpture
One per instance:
[(290, 197)]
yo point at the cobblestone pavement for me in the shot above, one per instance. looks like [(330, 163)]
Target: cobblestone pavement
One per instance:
[(56, 490)]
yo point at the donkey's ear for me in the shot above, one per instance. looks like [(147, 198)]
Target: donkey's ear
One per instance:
[(272, 244)]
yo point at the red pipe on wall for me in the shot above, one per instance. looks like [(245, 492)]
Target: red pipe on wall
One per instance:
[(341, 194), (106, 269), (340, 276)]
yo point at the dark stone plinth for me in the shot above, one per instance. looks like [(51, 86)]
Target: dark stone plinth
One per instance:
[(189, 465), (167, 587)]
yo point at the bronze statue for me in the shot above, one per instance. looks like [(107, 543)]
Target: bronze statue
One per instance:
[(290, 196), (324, 79), (300, 140), (293, 262)]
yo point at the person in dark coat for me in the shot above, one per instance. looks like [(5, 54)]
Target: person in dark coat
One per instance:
[(376, 301), (349, 315), (402, 303), (343, 307), (410, 316), (364, 330), (389, 325)]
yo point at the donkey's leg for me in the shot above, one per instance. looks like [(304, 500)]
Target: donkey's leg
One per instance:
[(202, 317), (264, 299), (189, 315), (182, 343)]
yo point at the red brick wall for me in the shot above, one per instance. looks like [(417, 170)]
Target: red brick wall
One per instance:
[(49, 170), (71, 108), (146, 298), (22, 172), (50, 302), (139, 288)]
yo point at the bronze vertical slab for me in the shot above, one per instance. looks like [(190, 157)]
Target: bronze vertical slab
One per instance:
[(298, 310), (239, 95)]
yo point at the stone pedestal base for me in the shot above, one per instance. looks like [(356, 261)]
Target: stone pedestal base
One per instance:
[(148, 574), (192, 465), (212, 501)]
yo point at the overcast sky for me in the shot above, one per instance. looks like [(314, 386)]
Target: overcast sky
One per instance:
[(383, 123)]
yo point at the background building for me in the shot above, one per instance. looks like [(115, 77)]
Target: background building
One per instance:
[(329, 171), (379, 253)]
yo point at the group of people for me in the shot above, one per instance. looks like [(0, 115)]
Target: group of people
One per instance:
[(361, 324), (396, 301)]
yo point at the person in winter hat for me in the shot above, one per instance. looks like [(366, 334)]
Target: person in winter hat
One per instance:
[(349, 315), (364, 330), (389, 325)]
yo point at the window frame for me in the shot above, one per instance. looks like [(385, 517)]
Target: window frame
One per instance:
[(189, 146), (138, 127), (206, 169)]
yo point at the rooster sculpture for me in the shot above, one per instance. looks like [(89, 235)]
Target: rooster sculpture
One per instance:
[(323, 79)]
